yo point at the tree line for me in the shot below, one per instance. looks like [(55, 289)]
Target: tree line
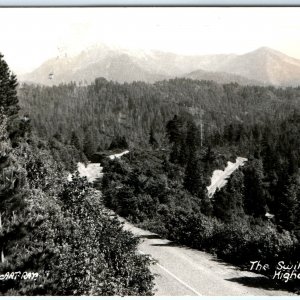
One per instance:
[(92, 117)]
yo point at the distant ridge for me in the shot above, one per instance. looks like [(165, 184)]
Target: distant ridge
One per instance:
[(263, 66), (221, 77), (267, 66)]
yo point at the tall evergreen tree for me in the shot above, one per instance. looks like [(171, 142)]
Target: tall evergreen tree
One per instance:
[(75, 141), (176, 138), (11, 173), (255, 198), (287, 214), (118, 142), (229, 201), (13, 223), (89, 146), (152, 140), (9, 99), (192, 139), (8, 92), (194, 179)]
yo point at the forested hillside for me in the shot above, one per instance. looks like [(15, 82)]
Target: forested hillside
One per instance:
[(93, 116), (179, 131), (254, 217), (56, 238)]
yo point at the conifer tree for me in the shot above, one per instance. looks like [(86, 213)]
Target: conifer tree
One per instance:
[(15, 222), (89, 147), (287, 214), (118, 142), (229, 201), (152, 140), (8, 97), (11, 173), (8, 92), (175, 136), (75, 141), (255, 198), (194, 179)]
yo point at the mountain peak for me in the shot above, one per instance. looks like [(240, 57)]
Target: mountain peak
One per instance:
[(261, 66), (267, 51)]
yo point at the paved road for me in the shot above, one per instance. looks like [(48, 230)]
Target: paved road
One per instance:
[(219, 178), (184, 271)]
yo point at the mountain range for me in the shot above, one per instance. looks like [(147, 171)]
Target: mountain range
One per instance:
[(264, 66)]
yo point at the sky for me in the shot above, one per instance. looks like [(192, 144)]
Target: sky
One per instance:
[(29, 36)]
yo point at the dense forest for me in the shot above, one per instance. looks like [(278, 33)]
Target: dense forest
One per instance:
[(178, 132), (254, 217), (93, 116), (56, 237)]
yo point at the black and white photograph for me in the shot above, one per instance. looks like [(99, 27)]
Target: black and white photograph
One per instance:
[(149, 151)]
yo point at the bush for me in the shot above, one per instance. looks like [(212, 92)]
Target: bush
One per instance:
[(72, 243)]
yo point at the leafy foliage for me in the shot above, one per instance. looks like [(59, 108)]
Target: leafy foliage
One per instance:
[(52, 228), (232, 224)]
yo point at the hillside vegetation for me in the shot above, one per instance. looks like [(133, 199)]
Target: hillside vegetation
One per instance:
[(255, 217), (179, 131), (91, 117), (56, 237)]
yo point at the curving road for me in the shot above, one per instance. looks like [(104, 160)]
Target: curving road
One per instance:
[(220, 178), (184, 271)]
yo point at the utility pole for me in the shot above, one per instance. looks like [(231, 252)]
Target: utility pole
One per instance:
[(201, 132), (200, 115), (2, 259)]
